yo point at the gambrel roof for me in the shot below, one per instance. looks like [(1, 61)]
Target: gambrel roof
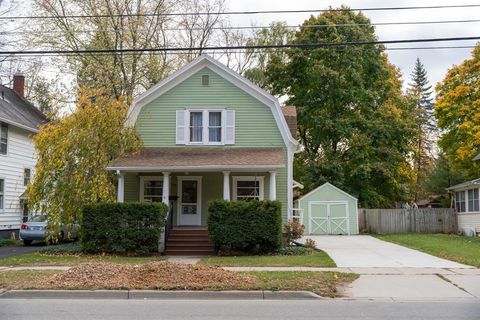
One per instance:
[(223, 71)]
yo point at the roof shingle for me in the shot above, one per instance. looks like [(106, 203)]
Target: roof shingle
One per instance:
[(190, 157)]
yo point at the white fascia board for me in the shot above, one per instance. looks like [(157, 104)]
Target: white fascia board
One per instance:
[(18, 125), (226, 73)]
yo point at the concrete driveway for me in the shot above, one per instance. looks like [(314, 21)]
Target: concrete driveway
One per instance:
[(10, 251), (364, 251)]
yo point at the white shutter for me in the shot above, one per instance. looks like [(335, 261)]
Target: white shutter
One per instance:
[(230, 127), (181, 127)]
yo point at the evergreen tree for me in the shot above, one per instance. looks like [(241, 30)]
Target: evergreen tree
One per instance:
[(420, 97)]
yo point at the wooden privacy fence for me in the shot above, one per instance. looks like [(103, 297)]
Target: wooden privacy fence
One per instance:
[(422, 220)]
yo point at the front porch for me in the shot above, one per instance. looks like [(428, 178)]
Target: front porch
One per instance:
[(188, 193)]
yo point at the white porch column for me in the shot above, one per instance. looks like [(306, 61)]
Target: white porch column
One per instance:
[(273, 186), (121, 186), (166, 188), (226, 185)]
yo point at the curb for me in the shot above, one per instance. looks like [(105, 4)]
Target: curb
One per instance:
[(159, 295)]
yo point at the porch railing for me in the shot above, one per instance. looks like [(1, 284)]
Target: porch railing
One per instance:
[(169, 223), (297, 214)]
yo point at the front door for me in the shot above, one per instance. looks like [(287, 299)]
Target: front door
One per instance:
[(189, 204)]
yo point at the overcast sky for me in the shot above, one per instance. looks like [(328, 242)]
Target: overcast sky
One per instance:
[(437, 62)]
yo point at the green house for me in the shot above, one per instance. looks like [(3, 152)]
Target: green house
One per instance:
[(208, 133), (328, 210)]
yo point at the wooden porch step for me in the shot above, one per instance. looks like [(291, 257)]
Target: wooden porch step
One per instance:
[(189, 241)]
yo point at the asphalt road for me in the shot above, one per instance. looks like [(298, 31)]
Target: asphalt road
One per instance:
[(234, 309), (9, 251)]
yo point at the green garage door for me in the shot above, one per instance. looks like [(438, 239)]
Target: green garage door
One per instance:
[(328, 217)]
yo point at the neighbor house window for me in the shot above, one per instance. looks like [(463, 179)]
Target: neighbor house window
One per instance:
[(206, 127), (151, 189), (2, 193), (248, 188), (3, 138), (27, 176), (460, 201), (473, 204)]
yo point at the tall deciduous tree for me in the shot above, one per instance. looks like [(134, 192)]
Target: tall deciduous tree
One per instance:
[(352, 119), (458, 113), (420, 97), (73, 153)]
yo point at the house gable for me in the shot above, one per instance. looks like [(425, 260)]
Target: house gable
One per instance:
[(259, 119)]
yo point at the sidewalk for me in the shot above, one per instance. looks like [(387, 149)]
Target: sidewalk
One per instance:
[(391, 284)]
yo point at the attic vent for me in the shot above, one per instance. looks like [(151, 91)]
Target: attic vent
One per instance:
[(205, 80)]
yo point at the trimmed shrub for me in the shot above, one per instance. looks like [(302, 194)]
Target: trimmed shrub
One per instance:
[(251, 226), (130, 227)]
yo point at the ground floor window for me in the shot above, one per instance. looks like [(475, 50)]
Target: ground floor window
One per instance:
[(248, 188), (460, 201), (473, 203), (151, 189), (2, 193)]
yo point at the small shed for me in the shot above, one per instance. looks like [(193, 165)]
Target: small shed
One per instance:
[(328, 210)]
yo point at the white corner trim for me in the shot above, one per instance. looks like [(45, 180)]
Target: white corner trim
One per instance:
[(206, 61)]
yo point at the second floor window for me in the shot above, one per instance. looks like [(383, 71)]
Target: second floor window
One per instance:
[(3, 138), (27, 176), (205, 127), (196, 126)]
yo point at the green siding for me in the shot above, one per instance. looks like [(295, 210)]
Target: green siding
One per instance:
[(329, 193), (255, 124), (212, 188)]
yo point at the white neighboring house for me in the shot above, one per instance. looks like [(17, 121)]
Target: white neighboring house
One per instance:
[(19, 121), (467, 206)]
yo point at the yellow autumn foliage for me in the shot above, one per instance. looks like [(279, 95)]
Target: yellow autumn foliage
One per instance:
[(458, 113), (73, 153)]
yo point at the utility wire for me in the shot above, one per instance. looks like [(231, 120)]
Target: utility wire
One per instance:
[(313, 26), (233, 51), (241, 12), (216, 48)]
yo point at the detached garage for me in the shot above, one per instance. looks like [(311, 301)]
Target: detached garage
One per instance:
[(328, 210)]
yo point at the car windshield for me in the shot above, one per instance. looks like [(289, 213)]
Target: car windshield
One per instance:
[(38, 219)]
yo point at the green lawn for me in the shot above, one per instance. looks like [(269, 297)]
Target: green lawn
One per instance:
[(461, 249), (316, 259), (322, 283), (42, 259)]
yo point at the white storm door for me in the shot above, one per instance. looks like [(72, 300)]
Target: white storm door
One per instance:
[(189, 201)]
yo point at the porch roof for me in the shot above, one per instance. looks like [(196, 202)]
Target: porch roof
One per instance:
[(201, 158)]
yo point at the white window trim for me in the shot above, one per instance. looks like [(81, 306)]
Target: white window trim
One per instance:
[(260, 180), (142, 185), (205, 126), (2, 209)]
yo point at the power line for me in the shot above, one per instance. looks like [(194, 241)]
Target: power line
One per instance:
[(216, 48), (233, 51), (242, 12), (267, 27)]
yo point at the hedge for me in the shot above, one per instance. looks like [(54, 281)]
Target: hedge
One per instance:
[(129, 227), (251, 226)]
